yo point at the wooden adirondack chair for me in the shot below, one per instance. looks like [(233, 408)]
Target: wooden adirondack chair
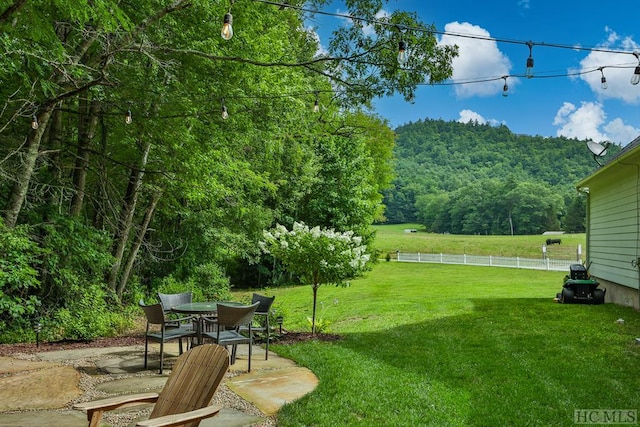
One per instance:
[(186, 396)]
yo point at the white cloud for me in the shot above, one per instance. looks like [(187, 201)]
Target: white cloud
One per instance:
[(467, 116), (619, 132), (367, 29), (320, 50), (564, 111), (523, 4), (477, 59), (589, 122), (617, 78)]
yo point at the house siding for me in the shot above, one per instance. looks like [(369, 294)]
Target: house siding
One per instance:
[(614, 226)]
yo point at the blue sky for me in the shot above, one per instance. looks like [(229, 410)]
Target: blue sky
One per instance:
[(575, 107)]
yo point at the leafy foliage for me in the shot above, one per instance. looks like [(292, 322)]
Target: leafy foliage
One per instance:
[(208, 283), (180, 193), (87, 316), (18, 278), (479, 179), (317, 256)]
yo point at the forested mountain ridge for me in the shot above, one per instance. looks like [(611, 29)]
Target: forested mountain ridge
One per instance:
[(435, 158)]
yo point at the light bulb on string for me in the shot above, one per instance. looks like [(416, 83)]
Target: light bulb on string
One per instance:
[(34, 122), (225, 112), (128, 118), (505, 88), (403, 54), (603, 79), (316, 104), (227, 28), (227, 25), (635, 78), (529, 71)]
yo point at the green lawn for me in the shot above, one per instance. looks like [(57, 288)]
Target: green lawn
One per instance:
[(442, 345), (392, 238)]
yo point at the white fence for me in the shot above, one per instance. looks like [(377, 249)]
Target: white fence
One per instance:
[(489, 260)]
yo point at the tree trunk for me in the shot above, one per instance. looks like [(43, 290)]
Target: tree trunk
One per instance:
[(55, 195), (133, 253), (88, 122), (23, 178), (128, 209), (99, 211), (313, 316), (510, 223)]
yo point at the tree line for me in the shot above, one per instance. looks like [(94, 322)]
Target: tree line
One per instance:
[(121, 176), (471, 178)]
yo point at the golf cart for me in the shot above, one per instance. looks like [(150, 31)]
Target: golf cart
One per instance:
[(580, 288)]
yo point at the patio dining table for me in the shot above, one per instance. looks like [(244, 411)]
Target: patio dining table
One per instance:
[(200, 310)]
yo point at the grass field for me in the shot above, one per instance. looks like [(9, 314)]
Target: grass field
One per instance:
[(392, 238), (446, 345)]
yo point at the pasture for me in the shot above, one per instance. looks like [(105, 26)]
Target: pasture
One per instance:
[(445, 345), (392, 238)]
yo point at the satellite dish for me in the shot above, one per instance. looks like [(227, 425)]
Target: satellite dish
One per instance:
[(598, 150)]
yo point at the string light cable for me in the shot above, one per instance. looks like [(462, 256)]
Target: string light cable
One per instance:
[(440, 32), (635, 79), (315, 94)]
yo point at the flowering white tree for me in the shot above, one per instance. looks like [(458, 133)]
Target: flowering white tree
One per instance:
[(317, 255)]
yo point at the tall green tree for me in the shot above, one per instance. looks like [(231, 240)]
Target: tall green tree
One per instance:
[(575, 219), (177, 187)]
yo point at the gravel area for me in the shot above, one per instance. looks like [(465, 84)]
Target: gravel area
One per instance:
[(26, 351), (223, 396)]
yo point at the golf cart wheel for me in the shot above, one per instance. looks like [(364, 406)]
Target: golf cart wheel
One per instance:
[(598, 296), (567, 296)]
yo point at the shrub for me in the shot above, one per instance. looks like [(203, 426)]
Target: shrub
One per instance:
[(317, 255), (207, 282), (212, 281), (18, 280), (87, 317)]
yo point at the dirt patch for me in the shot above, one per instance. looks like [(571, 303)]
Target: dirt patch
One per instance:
[(296, 337), (29, 348)]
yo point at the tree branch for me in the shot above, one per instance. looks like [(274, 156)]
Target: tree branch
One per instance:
[(11, 9)]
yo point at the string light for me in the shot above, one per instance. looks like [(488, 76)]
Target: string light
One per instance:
[(635, 79), (34, 122), (529, 71), (316, 105), (411, 97), (128, 118), (403, 54), (227, 27), (530, 61), (225, 113), (435, 31), (603, 79)]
